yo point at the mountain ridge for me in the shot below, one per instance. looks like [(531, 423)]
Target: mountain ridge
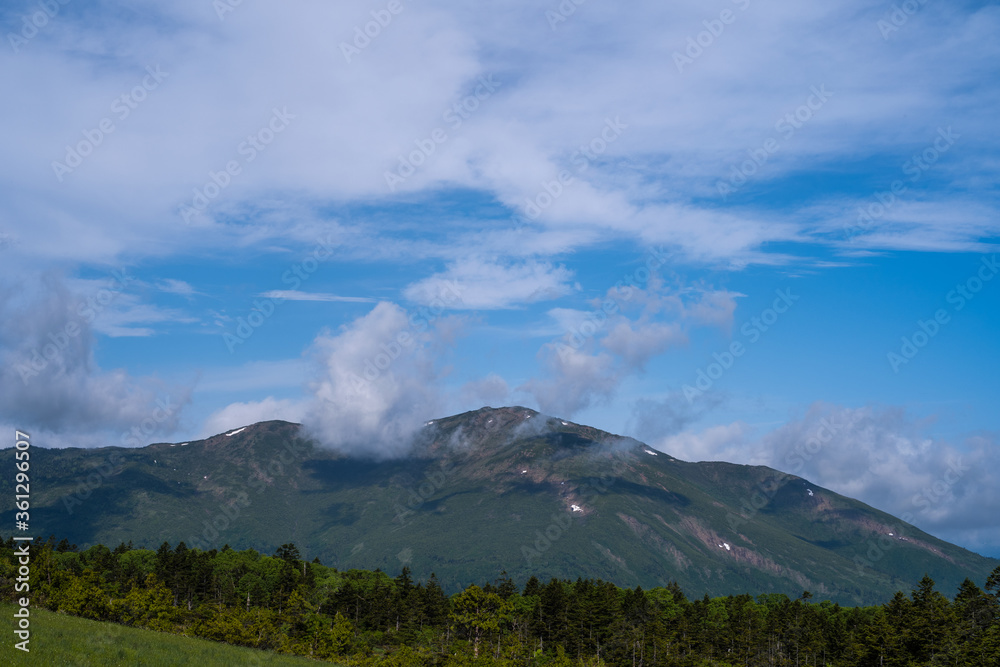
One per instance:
[(490, 490)]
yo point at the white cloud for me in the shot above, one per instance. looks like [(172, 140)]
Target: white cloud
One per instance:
[(484, 284), (179, 287), (715, 308), (636, 343), (599, 349), (888, 98), (113, 307), (376, 384), (49, 379), (236, 415), (295, 295), (654, 420), (121, 319), (724, 442), (879, 456), (574, 379)]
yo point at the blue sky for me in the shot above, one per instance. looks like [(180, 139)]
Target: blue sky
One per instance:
[(246, 212)]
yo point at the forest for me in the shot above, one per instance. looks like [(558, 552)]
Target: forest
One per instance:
[(284, 603)]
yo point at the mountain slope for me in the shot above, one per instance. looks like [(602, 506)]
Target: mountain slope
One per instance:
[(490, 490)]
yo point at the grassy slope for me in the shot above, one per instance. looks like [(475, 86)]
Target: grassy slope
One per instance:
[(57, 639)]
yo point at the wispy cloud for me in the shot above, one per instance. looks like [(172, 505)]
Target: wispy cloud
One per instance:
[(295, 295), (489, 284), (656, 181), (179, 287)]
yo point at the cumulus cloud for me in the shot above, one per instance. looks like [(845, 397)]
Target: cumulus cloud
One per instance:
[(880, 456), (627, 328), (377, 383), (50, 380)]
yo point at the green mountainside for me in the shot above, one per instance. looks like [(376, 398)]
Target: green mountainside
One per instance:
[(486, 491)]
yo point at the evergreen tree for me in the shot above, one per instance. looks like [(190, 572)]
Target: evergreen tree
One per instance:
[(900, 642), (366, 618), (554, 613), (931, 619)]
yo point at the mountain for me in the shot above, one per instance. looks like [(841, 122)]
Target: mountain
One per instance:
[(491, 490)]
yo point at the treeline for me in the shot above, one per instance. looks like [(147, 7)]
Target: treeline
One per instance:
[(284, 603)]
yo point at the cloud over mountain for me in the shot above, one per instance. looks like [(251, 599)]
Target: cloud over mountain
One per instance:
[(377, 383), (881, 456)]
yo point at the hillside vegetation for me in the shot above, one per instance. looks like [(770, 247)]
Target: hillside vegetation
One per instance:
[(487, 491), (284, 603)]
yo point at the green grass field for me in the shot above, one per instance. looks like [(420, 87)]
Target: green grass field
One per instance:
[(58, 640)]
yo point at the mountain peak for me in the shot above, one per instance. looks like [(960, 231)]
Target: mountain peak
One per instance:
[(486, 419), (496, 428), (495, 489)]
